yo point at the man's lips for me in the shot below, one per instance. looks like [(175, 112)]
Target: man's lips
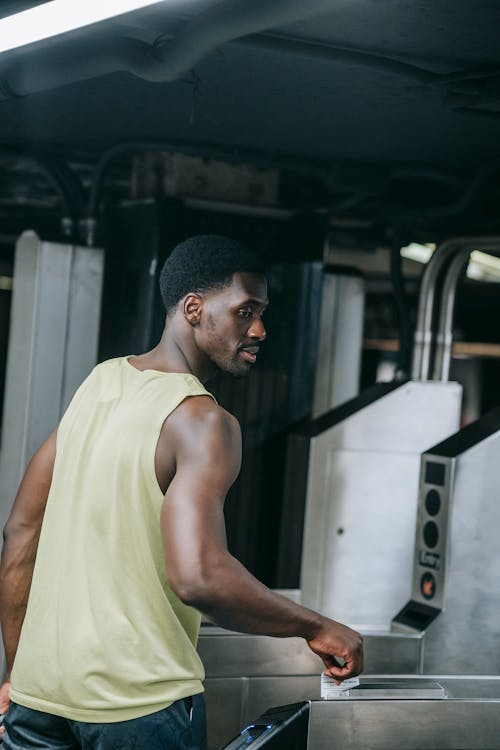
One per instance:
[(249, 353)]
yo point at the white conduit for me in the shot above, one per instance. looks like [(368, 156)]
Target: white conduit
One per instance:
[(225, 22), (70, 61)]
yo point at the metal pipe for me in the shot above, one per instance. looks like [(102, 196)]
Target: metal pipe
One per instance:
[(356, 58), (71, 189), (222, 22), (51, 170), (423, 332), (196, 149), (225, 22), (444, 337), (423, 339)]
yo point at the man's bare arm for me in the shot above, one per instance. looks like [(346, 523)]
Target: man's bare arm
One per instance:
[(21, 534), (200, 569)]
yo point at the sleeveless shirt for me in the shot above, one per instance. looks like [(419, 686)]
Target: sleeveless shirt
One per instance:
[(105, 638)]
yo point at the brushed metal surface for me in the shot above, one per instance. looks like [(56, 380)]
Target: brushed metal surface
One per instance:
[(52, 346), (228, 654), (465, 637), (468, 719), (409, 724), (440, 549), (225, 700), (340, 343), (362, 503), (246, 674)]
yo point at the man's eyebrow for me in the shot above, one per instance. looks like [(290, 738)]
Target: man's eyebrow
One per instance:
[(258, 302)]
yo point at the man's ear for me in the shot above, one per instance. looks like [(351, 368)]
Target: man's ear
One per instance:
[(192, 306)]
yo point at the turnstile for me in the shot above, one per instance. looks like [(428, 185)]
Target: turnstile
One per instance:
[(386, 714), (360, 470), (455, 598)]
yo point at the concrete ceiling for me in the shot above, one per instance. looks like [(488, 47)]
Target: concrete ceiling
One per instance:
[(366, 84), (297, 98)]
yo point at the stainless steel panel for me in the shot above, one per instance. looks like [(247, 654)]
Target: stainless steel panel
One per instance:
[(227, 654), (477, 687), (340, 341), (84, 314), (52, 346), (386, 654), (247, 674), (409, 724), (31, 405), (381, 688), (238, 654), (362, 502), (465, 637), (467, 719), (224, 700)]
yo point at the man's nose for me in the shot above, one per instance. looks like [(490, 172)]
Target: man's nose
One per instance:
[(257, 330)]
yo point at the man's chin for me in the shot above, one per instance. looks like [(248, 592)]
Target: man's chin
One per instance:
[(237, 371)]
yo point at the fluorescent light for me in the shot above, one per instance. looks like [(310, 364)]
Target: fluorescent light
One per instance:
[(481, 267), (58, 17), (416, 251)]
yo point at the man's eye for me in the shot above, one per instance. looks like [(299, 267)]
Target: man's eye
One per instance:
[(244, 313)]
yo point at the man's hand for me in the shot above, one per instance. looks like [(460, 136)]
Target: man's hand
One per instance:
[(340, 648), (4, 703)]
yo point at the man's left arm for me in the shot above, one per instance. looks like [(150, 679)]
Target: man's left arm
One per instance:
[(21, 534)]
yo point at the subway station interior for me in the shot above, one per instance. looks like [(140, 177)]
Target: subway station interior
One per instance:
[(355, 145)]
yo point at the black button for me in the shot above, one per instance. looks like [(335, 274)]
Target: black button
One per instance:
[(433, 502), (428, 585), (431, 534)]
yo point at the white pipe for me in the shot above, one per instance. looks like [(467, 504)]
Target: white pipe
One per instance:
[(226, 21), (70, 61)]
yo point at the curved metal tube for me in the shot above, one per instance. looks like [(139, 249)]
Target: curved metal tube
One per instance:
[(423, 332), (444, 336), (423, 338)]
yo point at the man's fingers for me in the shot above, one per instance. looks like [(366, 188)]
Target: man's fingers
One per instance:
[(341, 672)]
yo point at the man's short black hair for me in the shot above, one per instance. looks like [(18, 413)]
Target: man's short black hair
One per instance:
[(203, 263)]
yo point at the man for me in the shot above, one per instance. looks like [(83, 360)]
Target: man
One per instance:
[(132, 546)]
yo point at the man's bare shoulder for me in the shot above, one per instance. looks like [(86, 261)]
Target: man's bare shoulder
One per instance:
[(198, 433), (201, 416)]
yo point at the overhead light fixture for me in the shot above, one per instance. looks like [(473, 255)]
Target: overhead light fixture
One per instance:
[(60, 16), (418, 252), (481, 266)]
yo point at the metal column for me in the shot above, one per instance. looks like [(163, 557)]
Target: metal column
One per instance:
[(52, 346)]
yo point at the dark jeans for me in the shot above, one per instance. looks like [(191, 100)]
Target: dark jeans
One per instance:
[(173, 728)]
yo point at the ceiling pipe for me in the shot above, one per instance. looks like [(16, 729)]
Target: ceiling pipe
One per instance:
[(468, 195), (225, 22), (69, 60), (210, 151), (355, 58), (57, 176)]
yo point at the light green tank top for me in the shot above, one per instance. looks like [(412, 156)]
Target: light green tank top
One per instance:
[(105, 639)]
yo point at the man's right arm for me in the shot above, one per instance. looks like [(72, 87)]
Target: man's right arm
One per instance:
[(21, 534), (200, 569)]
